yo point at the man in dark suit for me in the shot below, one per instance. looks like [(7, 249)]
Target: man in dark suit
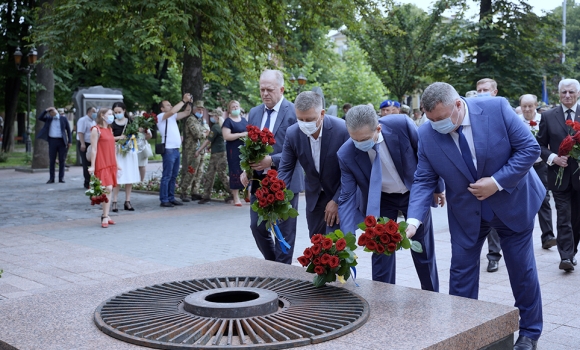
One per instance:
[(566, 192), (313, 143), (386, 147), (484, 153), (276, 114), (56, 131)]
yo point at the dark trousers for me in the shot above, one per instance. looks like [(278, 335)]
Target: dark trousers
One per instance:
[(84, 162), (568, 221), (56, 146), (315, 218), (271, 249), (384, 267), (521, 265), (545, 212)]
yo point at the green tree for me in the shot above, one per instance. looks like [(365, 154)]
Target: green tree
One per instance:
[(510, 44), (404, 44)]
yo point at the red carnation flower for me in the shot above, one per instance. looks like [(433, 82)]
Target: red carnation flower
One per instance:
[(533, 123), (307, 253), (371, 232), (380, 249), (272, 173), (381, 229), (317, 238), (316, 249), (334, 261), (325, 259), (263, 202), (265, 181), (391, 247), (392, 227), (304, 261), (271, 141), (264, 139), (566, 146), (385, 239), (280, 196), (327, 243), (371, 245), (271, 198), (576, 137), (576, 126), (319, 270), (397, 237), (316, 261), (362, 240), (340, 244), (570, 123), (276, 186), (370, 221)]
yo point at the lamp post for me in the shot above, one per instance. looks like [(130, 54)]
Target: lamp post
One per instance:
[(301, 81), (32, 56)]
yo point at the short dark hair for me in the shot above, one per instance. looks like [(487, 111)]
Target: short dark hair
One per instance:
[(346, 106), (161, 103)]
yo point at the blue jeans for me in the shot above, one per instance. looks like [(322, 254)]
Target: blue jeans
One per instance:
[(170, 171)]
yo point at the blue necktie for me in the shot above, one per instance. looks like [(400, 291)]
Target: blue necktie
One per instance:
[(569, 114), (267, 124), (375, 185), (486, 212)]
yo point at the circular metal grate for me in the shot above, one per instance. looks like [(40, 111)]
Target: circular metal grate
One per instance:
[(155, 316)]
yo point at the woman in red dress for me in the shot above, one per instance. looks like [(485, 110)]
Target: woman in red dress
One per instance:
[(104, 165)]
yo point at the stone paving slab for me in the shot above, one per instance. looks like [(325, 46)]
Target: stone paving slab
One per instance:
[(50, 235)]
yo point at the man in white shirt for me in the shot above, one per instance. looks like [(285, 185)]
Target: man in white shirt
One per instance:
[(565, 188), (84, 126), (167, 126), (528, 105)]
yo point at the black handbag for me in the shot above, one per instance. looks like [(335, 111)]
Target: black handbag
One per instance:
[(160, 147)]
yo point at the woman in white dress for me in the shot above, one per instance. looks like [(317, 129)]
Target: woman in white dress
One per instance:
[(129, 161)]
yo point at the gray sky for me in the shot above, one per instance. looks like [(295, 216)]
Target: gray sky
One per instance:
[(538, 5)]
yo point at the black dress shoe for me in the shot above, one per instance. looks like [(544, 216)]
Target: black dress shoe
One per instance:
[(195, 197), (492, 266), (174, 202), (204, 201), (566, 265), (61, 181), (50, 181), (574, 261), (166, 205), (549, 243), (185, 199), (525, 343)]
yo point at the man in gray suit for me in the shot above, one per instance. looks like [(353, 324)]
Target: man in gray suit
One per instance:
[(276, 114), (314, 142)]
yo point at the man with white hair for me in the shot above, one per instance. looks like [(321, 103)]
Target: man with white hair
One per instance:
[(484, 153), (377, 165), (528, 105), (276, 114), (566, 191)]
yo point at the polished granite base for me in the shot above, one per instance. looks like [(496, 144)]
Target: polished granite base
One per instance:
[(400, 317)]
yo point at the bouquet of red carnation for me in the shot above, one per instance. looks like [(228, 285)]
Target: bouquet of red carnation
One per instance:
[(330, 257), (385, 236), (273, 204), (96, 191), (257, 145), (570, 146), (148, 121)]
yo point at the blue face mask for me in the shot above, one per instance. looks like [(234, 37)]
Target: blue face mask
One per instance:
[(110, 119), (212, 119), (56, 116), (119, 116), (484, 94), (444, 126), (365, 145), (198, 115), (94, 116)]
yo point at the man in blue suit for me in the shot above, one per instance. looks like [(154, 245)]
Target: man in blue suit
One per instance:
[(313, 143), (394, 139), (56, 130), (484, 153), (276, 114)]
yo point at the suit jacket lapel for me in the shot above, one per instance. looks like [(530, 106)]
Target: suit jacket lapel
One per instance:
[(392, 141), (480, 133), (452, 152), (256, 118), (325, 140), (280, 117), (304, 144), (364, 162), (561, 119)]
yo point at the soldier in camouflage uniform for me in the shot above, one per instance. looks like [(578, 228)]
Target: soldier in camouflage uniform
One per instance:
[(218, 162), (193, 133)]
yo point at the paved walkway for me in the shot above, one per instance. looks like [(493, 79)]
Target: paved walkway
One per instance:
[(51, 239)]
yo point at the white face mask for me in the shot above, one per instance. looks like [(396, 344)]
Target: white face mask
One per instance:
[(308, 128)]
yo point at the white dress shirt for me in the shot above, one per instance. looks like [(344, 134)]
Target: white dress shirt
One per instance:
[(573, 116), (315, 148), (391, 181), (273, 116), (534, 128)]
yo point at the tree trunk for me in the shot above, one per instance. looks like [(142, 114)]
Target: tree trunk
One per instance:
[(44, 99), (21, 122), (11, 90), (483, 56), (192, 77)]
